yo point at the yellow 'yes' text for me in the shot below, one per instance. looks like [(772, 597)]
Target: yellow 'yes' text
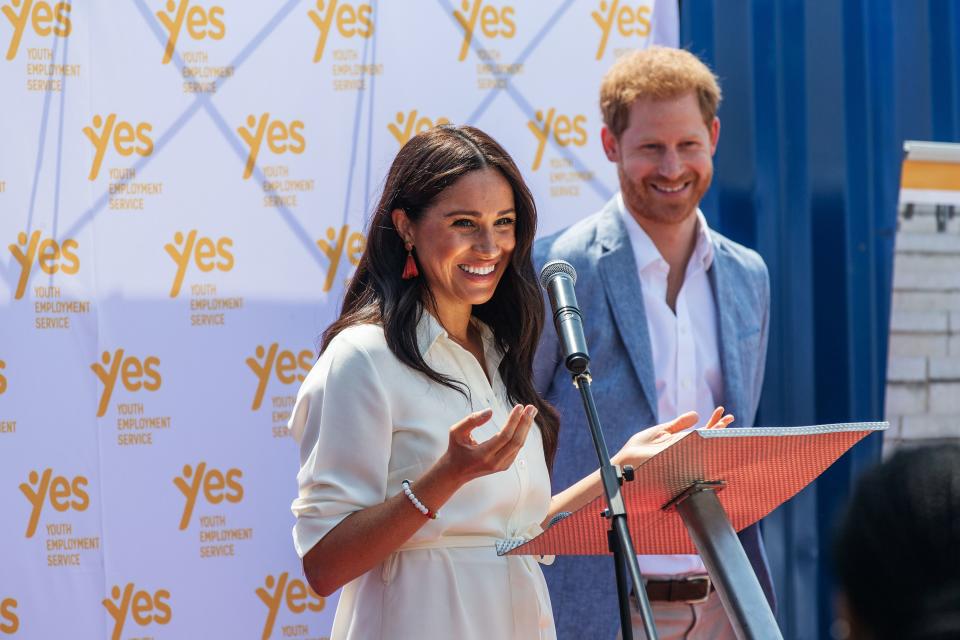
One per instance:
[(201, 23), (297, 595), (9, 620), (204, 252), (628, 20), (64, 494), (42, 17), (561, 127), (284, 363), (493, 23), (144, 607), (124, 135), (333, 248), (135, 374), (409, 125), (50, 255), (217, 486), (350, 21), (280, 137)]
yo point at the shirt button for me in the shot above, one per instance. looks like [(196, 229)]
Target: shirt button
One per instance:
[(685, 384), (522, 463)]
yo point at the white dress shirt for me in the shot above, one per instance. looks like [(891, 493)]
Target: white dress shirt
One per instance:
[(365, 422), (686, 358)]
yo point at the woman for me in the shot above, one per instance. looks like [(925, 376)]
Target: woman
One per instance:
[(439, 322)]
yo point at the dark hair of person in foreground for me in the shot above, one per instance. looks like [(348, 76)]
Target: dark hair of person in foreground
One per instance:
[(898, 549), (429, 163)]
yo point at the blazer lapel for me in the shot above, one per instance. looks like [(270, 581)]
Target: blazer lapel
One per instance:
[(729, 326), (621, 282)]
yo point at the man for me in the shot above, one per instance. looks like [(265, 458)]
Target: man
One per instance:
[(676, 318)]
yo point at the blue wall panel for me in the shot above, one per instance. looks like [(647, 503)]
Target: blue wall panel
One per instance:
[(819, 96)]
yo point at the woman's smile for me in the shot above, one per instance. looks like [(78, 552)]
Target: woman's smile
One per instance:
[(463, 242)]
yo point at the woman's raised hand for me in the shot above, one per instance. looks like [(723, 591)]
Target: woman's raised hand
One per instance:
[(469, 459), (645, 444)]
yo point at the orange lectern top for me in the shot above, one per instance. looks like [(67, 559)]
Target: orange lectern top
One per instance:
[(760, 468)]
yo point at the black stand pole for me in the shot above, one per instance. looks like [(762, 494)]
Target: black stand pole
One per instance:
[(623, 588), (619, 535)]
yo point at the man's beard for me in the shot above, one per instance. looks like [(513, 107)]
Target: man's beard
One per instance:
[(640, 202)]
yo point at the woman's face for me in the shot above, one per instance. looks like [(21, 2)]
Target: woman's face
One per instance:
[(464, 240)]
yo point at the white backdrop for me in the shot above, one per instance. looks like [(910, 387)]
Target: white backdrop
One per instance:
[(183, 191)]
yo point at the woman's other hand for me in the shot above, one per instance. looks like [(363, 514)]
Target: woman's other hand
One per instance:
[(467, 459), (645, 444), (372, 533)]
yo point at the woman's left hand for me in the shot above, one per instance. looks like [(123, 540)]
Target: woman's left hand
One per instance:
[(645, 444)]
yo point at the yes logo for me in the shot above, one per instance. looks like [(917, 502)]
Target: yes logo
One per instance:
[(204, 252), (408, 125), (144, 607), (285, 363), (333, 248), (493, 23), (9, 621), (49, 254), (124, 135), (350, 21), (42, 17), (629, 21), (278, 135), (136, 374), (63, 494), (217, 487), (3, 378), (561, 127), (296, 594), (201, 24)]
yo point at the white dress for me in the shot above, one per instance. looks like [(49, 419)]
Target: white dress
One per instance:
[(365, 422)]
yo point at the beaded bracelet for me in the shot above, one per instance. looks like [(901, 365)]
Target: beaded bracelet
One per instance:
[(413, 498)]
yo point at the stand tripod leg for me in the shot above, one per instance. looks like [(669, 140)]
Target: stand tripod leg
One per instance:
[(728, 566)]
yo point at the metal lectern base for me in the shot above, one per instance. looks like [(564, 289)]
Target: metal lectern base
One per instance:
[(726, 562)]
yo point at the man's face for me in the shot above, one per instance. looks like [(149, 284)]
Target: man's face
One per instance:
[(664, 158)]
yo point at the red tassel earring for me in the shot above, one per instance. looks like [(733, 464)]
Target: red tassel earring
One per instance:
[(410, 266)]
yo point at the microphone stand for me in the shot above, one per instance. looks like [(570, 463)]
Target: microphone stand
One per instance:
[(619, 534), (558, 277)]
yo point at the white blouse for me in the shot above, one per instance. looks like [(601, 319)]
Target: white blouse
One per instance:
[(365, 422)]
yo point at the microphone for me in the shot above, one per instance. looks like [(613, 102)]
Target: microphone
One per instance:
[(558, 277)]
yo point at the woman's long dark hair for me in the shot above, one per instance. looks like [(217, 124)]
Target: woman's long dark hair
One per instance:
[(427, 165)]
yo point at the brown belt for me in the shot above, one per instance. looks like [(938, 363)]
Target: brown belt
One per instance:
[(690, 589)]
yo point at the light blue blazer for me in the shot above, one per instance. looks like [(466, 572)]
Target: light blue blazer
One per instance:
[(582, 588)]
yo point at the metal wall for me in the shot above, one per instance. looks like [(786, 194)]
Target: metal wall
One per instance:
[(818, 98)]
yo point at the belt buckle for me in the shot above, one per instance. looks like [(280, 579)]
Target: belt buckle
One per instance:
[(706, 595)]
